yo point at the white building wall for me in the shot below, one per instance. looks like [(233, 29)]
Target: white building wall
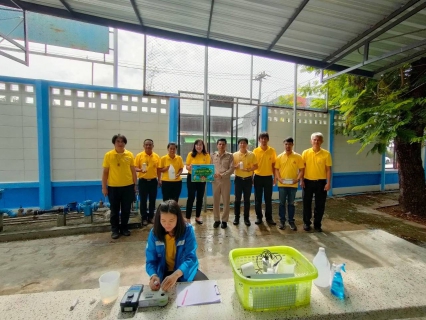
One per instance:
[(83, 123), (18, 133), (280, 126), (346, 157)]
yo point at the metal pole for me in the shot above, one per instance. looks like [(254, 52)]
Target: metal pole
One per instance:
[(295, 101), (236, 128), (258, 111), (144, 63), (27, 46), (251, 79), (93, 71), (205, 108), (260, 89), (115, 84)]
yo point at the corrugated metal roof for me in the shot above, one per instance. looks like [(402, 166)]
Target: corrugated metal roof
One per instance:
[(313, 32)]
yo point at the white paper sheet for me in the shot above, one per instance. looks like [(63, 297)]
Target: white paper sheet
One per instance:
[(197, 292)]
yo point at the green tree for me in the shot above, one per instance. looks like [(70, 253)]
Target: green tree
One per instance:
[(287, 100), (378, 111)]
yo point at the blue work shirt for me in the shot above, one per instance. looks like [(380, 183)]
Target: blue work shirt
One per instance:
[(186, 259)]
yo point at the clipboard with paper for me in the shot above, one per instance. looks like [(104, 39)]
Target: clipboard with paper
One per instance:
[(197, 293)]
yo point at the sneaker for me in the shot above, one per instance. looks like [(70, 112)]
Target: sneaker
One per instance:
[(151, 221), (258, 221), (216, 224), (125, 233), (318, 229), (281, 225), (247, 222), (236, 222), (144, 223), (271, 221), (224, 225), (115, 235), (292, 226), (198, 220), (306, 227)]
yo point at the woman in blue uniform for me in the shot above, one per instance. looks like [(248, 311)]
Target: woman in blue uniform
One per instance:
[(171, 249)]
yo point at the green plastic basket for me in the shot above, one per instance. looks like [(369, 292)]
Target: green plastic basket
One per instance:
[(272, 294)]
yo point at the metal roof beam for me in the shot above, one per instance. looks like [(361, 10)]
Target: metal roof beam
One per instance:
[(288, 24), (373, 28), (400, 61), (178, 36), (7, 38), (66, 5), (138, 14), (12, 57), (210, 19), (375, 59), (380, 32), (16, 4)]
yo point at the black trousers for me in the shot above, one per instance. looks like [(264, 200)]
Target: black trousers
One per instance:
[(171, 190), (314, 187), (120, 198), (199, 276), (263, 187), (194, 188), (147, 190), (242, 187)]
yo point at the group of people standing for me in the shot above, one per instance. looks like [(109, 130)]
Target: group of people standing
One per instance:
[(125, 175), (263, 169)]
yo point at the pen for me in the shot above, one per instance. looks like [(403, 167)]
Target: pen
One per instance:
[(184, 297)]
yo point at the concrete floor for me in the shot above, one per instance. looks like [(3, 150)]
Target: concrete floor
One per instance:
[(384, 280), (75, 262)]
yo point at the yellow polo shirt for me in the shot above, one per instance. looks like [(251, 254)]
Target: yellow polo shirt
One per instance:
[(248, 159), (200, 158), (265, 159), (152, 162), (170, 252), (120, 173), (315, 163), (176, 162), (289, 166)]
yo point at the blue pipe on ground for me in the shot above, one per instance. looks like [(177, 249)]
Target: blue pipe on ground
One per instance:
[(9, 213)]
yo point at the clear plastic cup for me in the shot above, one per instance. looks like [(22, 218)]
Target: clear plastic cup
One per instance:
[(108, 284)]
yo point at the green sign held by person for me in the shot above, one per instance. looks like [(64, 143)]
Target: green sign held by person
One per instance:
[(202, 173)]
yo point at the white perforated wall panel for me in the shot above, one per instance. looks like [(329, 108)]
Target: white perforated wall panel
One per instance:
[(18, 133), (280, 126), (83, 123)]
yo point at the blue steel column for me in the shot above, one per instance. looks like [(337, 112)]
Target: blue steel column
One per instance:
[(263, 118), (331, 114), (43, 138), (173, 119)]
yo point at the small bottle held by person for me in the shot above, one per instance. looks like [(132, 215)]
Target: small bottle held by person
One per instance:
[(337, 287), (241, 165), (172, 172), (323, 266), (144, 167)]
